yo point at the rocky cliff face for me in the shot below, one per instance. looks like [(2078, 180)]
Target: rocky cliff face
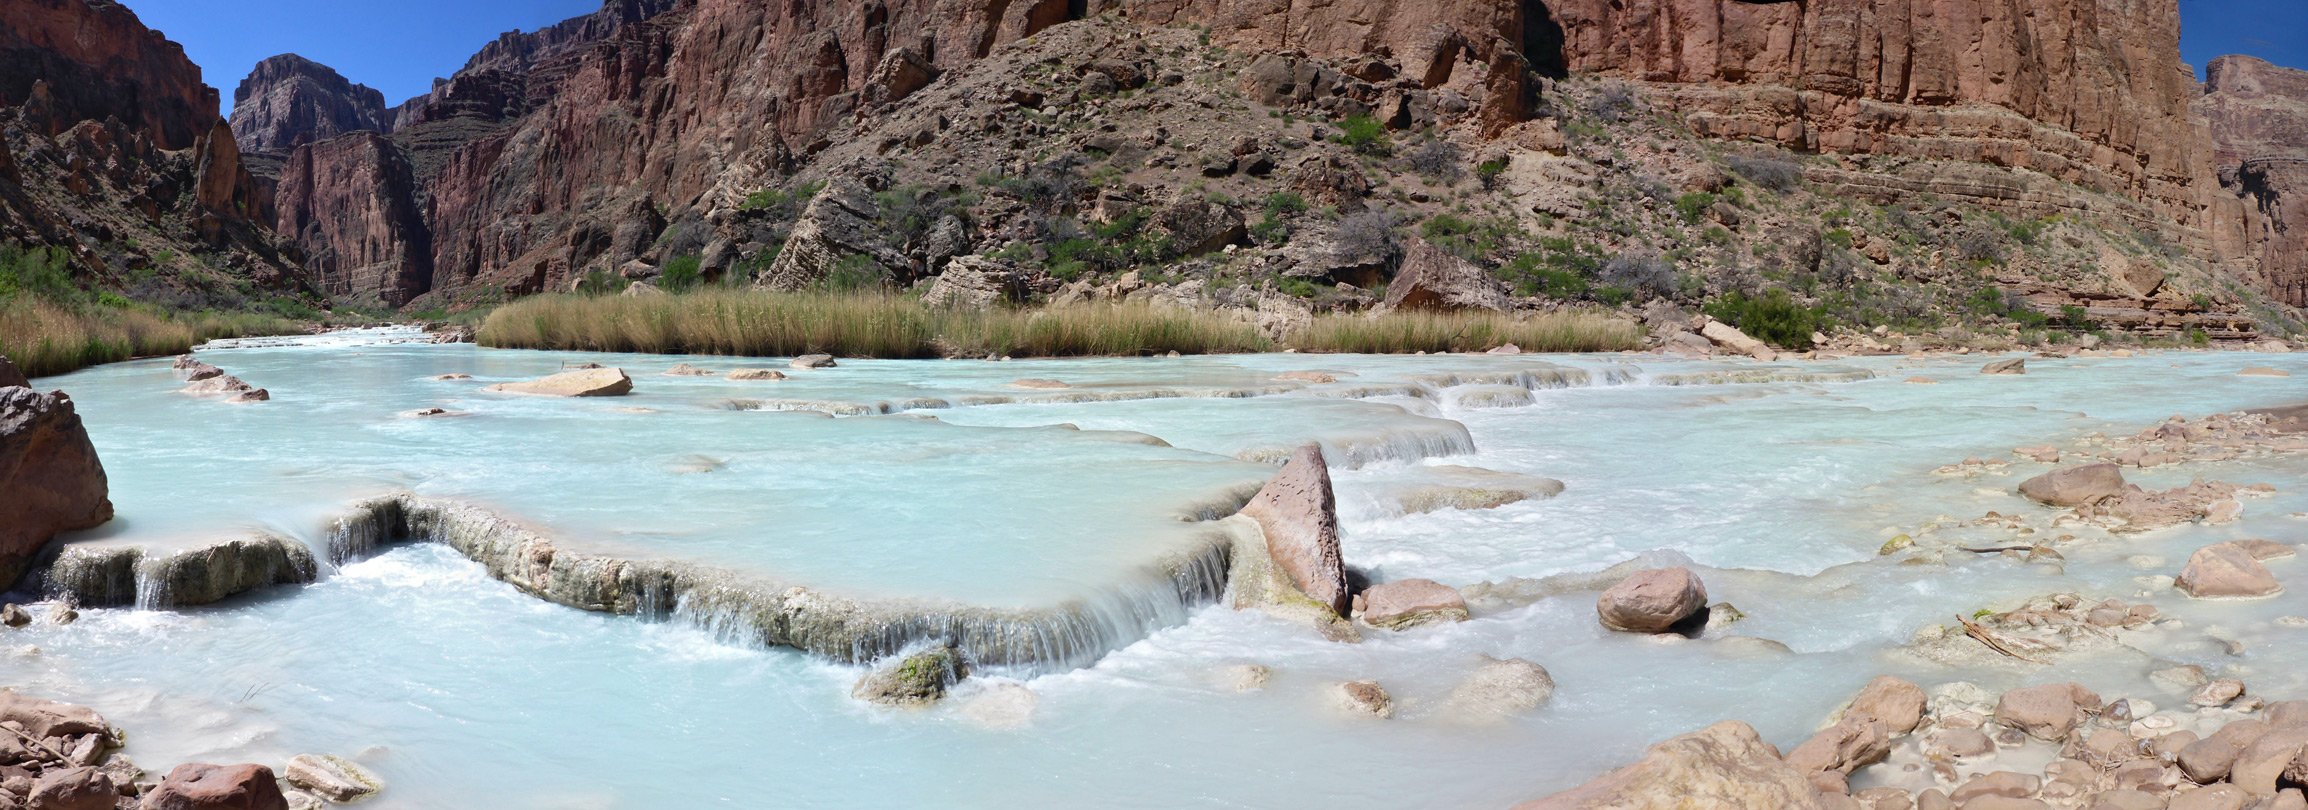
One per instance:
[(2259, 120), (288, 99), (115, 153), (351, 201)]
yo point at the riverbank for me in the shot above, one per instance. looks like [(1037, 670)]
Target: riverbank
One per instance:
[(771, 324), (46, 337)]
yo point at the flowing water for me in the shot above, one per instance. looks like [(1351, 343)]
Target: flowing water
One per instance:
[(944, 481)]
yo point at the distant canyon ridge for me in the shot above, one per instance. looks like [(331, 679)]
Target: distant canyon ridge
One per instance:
[(613, 142)]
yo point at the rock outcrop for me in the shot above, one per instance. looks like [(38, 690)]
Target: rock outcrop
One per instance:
[(196, 786), (2258, 115), (1726, 766), (1432, 278), (51, 481), (351, 202), (2227, 571), (2075, 486), (288, 99), (914, 680)]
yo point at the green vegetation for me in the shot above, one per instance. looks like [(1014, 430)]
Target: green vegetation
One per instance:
[(680, 274), (1365, 135), (49, 325), (1406, 332), (1694, 205), (1774, 317)]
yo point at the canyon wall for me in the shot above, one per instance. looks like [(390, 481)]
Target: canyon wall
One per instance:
[(113, 152), (288, 99), (2259, 119)]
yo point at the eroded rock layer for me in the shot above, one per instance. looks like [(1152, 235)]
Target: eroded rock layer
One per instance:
[(2259, 120)]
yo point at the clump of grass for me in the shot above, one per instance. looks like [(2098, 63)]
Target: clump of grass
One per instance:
[(1405, 332), (44, 337), (869, 324), (890, 325)]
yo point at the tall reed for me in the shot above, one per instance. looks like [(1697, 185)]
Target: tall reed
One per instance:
[(45, 337), (889, 325)]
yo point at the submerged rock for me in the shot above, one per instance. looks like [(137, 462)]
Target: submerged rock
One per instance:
[(1002, 705), (1456, 487), (1652, 601), (251, 395), (687, 370), (1404, 604), (216, 387), (2016, 365), (14, 615), (755, 375), (1502, 687), (196, 786), (1726, 766), (1364, 698), (590, 382), (51, 481), (915, 680), (813, 361), (331, 777), (1039, 383), (1245, 677), (2075, 486), (2227, 571)]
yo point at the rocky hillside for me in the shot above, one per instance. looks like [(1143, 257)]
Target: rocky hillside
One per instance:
[(111, 149), (288, 99), (2259, 118)]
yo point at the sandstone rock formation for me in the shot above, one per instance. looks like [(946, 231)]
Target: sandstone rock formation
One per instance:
[(352, 202), (2075, 486), (1408, 603), (288, 99), (1432, 278), (331, 777), (1299, 517), (2227, 571), (196, 786), (50, 479)]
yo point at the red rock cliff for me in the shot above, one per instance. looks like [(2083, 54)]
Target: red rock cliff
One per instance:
[(2259, 121)]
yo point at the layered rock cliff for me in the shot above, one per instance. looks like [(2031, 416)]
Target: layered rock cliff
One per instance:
[(2259, 120), (113, 151), (288, 99)]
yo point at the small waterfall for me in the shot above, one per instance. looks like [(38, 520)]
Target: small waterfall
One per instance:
[(131, 576), (366, 529)]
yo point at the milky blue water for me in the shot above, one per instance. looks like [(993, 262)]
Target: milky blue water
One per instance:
[(462, 692)]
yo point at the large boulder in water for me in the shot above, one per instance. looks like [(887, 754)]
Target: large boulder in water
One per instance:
[(2227, 571), (915, 680), (196, 786), (2075, 486), (1651, 601), (50, 479), (1725, 766), (589, 382), (1299, 516), (1434, 278)]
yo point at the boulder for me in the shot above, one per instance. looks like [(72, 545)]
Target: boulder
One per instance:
[(51, 481), (901, 72), (915, 680), (1854, 741), (590, 382), (2016, 365), (2274, 755), (251, 395), (2212, 797), (812, 361), (2075, 486), (1723, 767), (196, 786), (1198, 226), (1729, 337), (1436, 279), (1298, 514), (1409, 603), (14, 615), (1502, 687), (687, 370), (73, 789), (13, 377), (2045, 712), (2262, 371), (756, 375), (46, 718), (978, 282), (1652, 601), (2208, 760), (1898, 703), (202, 371), (2226, 571), (331, 777)]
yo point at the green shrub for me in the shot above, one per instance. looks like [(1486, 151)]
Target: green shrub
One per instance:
[(681, 274), (1489, 171), (1365, 135), (1694, 205), (1774, 318)]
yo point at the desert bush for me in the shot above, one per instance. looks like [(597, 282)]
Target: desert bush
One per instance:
[(1774, 171), (1774, 317), (1640, 271), (1438, 161), (1365, 135)]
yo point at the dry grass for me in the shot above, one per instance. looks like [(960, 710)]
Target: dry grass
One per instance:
[(753, 323), (44, 337), (1406, 332)]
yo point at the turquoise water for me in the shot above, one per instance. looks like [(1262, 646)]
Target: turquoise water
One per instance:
[(462, 692)]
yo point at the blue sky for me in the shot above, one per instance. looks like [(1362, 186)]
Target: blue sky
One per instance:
[(398, 46)]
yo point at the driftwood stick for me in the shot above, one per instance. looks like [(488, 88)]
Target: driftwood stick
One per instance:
[(1989, 638)]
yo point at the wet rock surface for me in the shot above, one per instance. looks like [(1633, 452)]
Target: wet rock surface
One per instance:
[(1652, 601), (51, 480), (594, 382)]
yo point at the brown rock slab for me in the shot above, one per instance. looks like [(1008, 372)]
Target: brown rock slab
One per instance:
[(2016, 365), (591, 382), (2045, 712), (196, 786), (755, 375), (2075, 486), (1435, 279), (1408, 603)]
